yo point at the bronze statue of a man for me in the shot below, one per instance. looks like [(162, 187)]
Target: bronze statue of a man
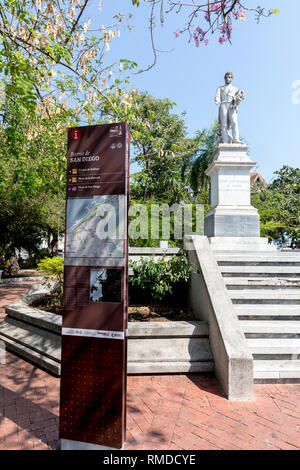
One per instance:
[(228, 98)]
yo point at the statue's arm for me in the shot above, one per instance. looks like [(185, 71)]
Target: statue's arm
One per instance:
[(218, 96)]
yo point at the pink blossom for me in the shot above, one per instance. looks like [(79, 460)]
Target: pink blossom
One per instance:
[(242, 15), (222, 39), (196, 38), (176, 33), (206, 42), (198, 35), (226, 29)]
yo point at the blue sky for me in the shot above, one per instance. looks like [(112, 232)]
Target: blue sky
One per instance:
[(264, 59)]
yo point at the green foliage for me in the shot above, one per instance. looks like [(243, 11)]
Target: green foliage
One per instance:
[(52, 266), (161, 275), (154, 221), (20, 225), (196, 166), (32, 167), (279, 206), (54, 269), (160, 146), (33, 150), (51, 55)]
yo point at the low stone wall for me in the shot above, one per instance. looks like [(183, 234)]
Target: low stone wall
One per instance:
[(135, 254), (158, 347), (20, 280), (168, 347)]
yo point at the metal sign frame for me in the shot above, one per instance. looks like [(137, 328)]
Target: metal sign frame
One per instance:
[(94, 326)]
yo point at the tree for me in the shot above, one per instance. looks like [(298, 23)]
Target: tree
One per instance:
[(279, 206), (53, 218), (55, 74), (52, 57), (20, 226), (160, 146), (161, 150), (195, 167), (33, 150), (32, 186)]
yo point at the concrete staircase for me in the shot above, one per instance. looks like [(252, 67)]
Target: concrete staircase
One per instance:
[(265, 292)]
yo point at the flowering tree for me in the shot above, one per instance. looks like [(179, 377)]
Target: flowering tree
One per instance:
[(53, 57), (54, 73), (205, 18), (215, 17)]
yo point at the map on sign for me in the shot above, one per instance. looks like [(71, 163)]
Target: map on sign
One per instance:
[(95, 227)]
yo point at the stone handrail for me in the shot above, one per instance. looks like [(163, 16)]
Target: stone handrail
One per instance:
[(211, 302)]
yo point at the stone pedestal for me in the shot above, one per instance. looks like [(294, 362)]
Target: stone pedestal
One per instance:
[(232, 217)]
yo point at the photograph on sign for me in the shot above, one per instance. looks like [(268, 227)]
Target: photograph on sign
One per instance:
[(106, 285), (95, 227)]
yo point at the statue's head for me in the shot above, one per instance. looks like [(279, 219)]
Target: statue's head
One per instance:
[(228, 77)]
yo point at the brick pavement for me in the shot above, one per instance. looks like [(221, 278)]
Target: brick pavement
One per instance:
[(183, 412), (10, 293)]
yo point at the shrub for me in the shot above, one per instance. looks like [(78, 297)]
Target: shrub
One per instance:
[(161, 275), (53, 268)]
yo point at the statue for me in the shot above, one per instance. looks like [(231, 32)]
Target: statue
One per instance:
[(228, 97)]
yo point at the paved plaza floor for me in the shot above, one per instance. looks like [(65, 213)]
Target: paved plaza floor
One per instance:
[(180, 412)]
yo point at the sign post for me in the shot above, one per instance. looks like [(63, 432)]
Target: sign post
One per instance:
[(94, 326)]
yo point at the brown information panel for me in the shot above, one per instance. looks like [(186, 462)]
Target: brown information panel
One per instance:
[(94, 326)]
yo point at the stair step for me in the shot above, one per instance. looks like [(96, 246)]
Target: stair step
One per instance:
[(41, 318), (265, 291), (264, 255), (36, 339), (31, 355), (168, 329), (169, 350), (271, 346), (261, 283), (256, 259), (263, 327), (285, 296), (169, 367), (274, 271), (274, 369), (267, 311)]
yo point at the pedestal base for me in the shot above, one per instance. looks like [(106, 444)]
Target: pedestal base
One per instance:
[(241, 244), (231, 213), (232, 222)]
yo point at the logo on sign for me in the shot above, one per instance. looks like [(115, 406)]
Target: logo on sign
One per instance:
[(75, 134), (115, 131)]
